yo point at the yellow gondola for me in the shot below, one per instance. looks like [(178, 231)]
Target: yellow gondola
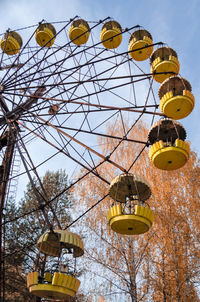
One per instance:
[(128, 185), (169, 151), (131, 216), (164, 59), (62, 286), (109, 31), (139, 39), (11, 43), (45, 35), (169, 157), (79, 32), (130, 224), (177, 100), (166, 130), (50, 243)]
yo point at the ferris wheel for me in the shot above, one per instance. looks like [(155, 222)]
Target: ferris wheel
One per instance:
[(61, 84)]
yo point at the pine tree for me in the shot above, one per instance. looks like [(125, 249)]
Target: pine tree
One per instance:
[(22, 234)]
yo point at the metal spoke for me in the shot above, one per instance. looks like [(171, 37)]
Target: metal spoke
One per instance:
[(61, 106)]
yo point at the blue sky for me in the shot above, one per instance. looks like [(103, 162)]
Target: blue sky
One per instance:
[(174, 22)]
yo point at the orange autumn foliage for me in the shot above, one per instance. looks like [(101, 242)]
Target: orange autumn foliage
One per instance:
[(163, 264)]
